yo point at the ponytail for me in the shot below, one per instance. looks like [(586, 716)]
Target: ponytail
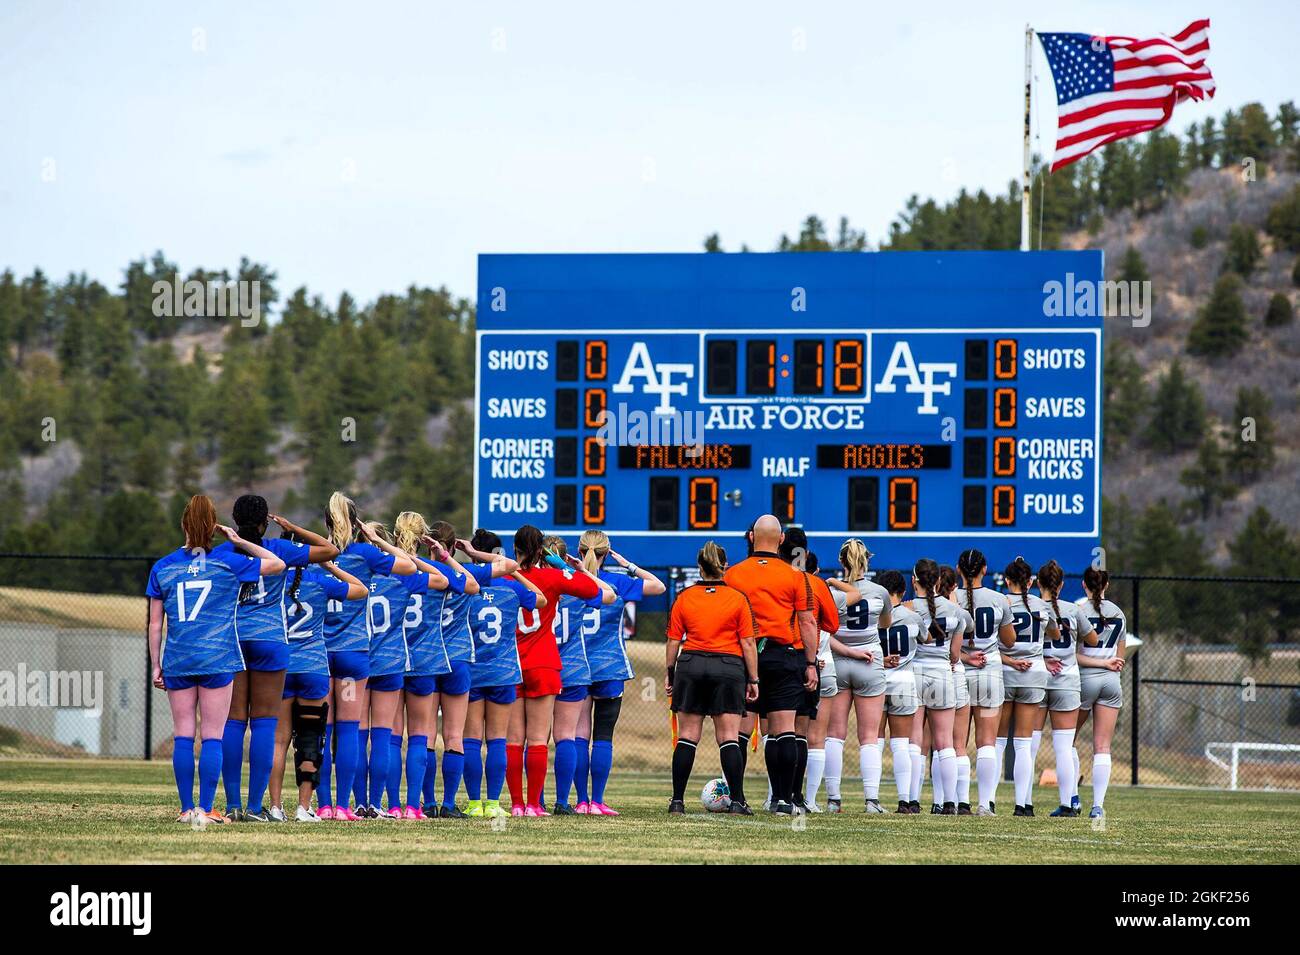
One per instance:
[(593, 546), (970, 565), (1050, 579), (199, 522), (853, 558), (409, 527), (1096, 580), (712, 561), (927, 575), (1019, 572), (341, 520)]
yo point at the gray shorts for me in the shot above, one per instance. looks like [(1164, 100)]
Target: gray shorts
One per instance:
[(1027, 687), (1100, 686), (1063, 692), (938, 690), (900, 692), (827, 686), (959, 684), (984, 685), (863, 678)]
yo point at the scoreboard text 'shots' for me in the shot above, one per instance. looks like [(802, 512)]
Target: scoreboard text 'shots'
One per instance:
[(921, 401)]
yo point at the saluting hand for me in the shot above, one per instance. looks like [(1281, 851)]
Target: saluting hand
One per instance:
[(284, 525), (231, 534)]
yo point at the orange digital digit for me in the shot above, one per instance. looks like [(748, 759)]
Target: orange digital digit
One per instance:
[(703, 512), (594, 407), (593, 457), (848, 367), (902, 503), (1004, 505), (597, 359), (593, 504), (1004, 358), (1004, 457), (1004, 408)]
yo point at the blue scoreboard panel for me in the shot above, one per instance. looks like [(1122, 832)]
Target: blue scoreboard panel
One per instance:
[(925, 402)]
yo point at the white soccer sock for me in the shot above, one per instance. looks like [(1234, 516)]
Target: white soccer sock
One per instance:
[(902, 753), (1063, 745), (986, 773), (880, 745), (1023, 773), (762, 748), (1074, 778), (945, 780), (1001, 746), (918, 772), (1100, 778), (870, 764), (963, 778), (816, 767), (1035, 741), (834, 766)]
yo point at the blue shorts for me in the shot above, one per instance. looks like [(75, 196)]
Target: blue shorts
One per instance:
[(421, 685), (607, 689), (386, 682), (573, 694), (265, 655), (208, 681), (350, 664), (307, 686), (455, 683), (500, 695)]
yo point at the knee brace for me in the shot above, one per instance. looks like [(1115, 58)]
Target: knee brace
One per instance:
[(604, 714), (308, 740)]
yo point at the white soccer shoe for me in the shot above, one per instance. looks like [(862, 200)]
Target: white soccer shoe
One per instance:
[(983, 810), (277, 814), (306, 815), (813, 807)]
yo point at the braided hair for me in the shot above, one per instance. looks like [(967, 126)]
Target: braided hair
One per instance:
[(970, 565), (927, 575), (1050, 579), (250, 514), (1019, 572), (947, 579), (1096, 580)]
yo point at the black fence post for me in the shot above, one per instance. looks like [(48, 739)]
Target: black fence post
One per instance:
[(1136, 682), (148, 688)]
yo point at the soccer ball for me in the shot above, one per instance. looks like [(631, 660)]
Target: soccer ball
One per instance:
[(716, 797)]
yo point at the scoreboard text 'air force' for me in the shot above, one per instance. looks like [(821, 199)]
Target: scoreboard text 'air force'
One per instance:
[(926, 401)]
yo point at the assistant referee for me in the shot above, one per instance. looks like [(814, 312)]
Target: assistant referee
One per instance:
[(712, 671)]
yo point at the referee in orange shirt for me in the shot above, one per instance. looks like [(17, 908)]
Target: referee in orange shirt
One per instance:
[(783, 605)]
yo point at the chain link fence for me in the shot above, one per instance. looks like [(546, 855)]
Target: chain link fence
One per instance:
[(1212, 694)]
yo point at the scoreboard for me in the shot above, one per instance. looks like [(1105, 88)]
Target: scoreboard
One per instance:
[(924, 402)]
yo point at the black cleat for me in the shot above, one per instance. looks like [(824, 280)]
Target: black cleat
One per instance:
[(963, 809), (904, 808), (740, 808), (993, 807), (834, 806), (675, 808), (454, 812), (949, 809), (936, 809), (782, 809), (1023, 811), (1029, 809), (431, 812), (914, 807)]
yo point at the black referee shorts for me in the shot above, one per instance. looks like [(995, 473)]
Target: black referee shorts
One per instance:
[(709, 684), (780, 678)]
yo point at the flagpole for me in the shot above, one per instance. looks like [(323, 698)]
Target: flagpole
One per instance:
[(1024, 179)]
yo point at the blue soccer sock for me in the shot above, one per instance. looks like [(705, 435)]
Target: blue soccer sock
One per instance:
[(417, 757), (395, 771), (261, 751), (183, 769), (581, 767), (379, 752), (566, 758), (345, 757), (495, 767), (453, 768), (429, 789), (602, 760), (232, 762), (474, 769), (210, 760), (325, 791), (359, 794)]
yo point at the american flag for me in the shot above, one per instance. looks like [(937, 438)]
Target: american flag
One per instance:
[(1109, 87)]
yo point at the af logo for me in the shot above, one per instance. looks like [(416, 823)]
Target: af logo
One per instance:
[(658, 377), (920, 377)]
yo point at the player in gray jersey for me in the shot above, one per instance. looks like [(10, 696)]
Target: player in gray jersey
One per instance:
[(961, 714), (1025, 676), (859, 669), (981, 657), (942, 624), (826, 756), (1063, 683), (898, 643), (1100, 668)]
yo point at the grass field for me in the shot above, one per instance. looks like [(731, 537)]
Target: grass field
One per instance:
[(102, 811)]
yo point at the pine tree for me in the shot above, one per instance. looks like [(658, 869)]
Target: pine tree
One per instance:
[(1265, 548), (1253, 454), (1125, 397), (1207, 478), (1243, 252), (1177, 413), (1280, 311), (1283, 221), (245, 430), (1220, 328)]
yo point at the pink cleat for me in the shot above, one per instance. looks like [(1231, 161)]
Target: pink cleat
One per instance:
[(534, 811), (600, 809), (325, 812), (345, 813), (582, 809), (413, 812), (517, 811)]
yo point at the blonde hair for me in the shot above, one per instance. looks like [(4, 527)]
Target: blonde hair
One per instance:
[(853, 558), (712, 561), (408, 529), (341, 520), (379, 530), (555, 545), (594, 548)]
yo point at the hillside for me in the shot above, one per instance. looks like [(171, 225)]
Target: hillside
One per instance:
[(111, 415)]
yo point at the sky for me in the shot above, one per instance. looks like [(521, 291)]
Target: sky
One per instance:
[(368, 147)]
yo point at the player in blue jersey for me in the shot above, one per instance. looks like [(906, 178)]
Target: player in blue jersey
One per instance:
[(197, 590), (439, 673), (495, 674), (307, 681), (574, 621), (485, 560), (610, 666), (347, 639), (255, 702), (390, 661)]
